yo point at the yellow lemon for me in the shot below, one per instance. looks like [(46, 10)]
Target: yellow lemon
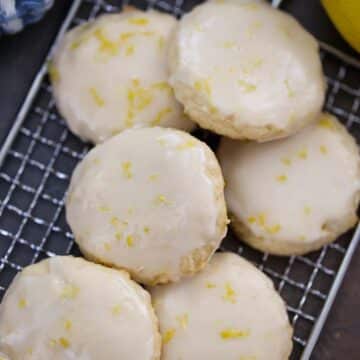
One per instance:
[(346, 16)]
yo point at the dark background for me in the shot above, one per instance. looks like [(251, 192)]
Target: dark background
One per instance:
[(21, 56)]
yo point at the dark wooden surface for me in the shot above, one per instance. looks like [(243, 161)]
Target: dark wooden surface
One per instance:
[(20, 58)]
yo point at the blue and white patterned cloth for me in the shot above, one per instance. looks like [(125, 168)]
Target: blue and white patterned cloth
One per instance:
[(15, 14)]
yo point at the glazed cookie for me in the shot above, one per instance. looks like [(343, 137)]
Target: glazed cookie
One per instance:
[(228, 311), (150, 201), (68, 308), (294, 195), (246, 70), (111, 74)]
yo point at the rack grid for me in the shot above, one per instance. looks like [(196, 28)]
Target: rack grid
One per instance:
[(40, 154)]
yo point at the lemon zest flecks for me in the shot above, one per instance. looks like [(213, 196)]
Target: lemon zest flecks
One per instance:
[(290, 91), (229, 44), (228, 334), (114, 221), (251, 219), (250, 6), (274, 229), (67, 325), (286, 161), (161, 42), (104, 209), (183, 320), (64, 342), (307, 210), (139, 98), (252, 65), (160, 116), (53, 72), (116, 309), (118, 235), (210, 285), (99, 101), (142, 96), (168, 336), (203, 86), (70, 291), (325, 122), (213, 109), (153, 177), (106, 46), (302, 154), (76, 44), (22, 303), (129, 120), (186, 145), (82, 38), (127, 169), (230, 294), (282, 178), (139, 21), (127, 35), (162, 86), (130, 241), (146, 230), (246, 86), (161, 199), (52, 342), (261, 221), (323, 149), (129, 50)]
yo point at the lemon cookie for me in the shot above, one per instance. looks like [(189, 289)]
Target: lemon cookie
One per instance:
[(229, 311), (246, 70), (111, 74), (150, 201), (294, 195), (69, 308)]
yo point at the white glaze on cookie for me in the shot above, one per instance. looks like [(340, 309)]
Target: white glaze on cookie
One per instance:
[(246, 70), (111, 74), (228, 311), (293, 195), (66, 308), (150, 201)]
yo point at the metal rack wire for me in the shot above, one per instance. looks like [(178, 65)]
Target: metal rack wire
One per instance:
[(40, 154)]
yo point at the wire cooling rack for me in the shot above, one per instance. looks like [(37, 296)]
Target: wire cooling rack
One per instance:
[(40, 154)]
